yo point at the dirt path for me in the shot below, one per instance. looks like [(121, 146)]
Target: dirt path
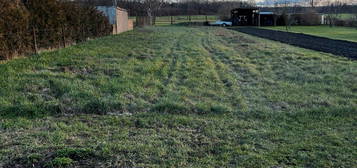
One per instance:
[(336, 47)]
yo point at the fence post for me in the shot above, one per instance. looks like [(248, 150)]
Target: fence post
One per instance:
[(171, 20), (34, 40), (63, 38), (206, 19)]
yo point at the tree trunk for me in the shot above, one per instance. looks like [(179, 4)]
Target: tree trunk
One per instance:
[(149, 13)]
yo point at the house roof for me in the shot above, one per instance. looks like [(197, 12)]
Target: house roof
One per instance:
[(266, 13), (111, 7)]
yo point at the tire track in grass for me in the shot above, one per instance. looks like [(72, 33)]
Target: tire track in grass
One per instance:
[(173, 64), (276, 80), (190, 64), (222, 76), (190, 85), (178, 86), (253, 83), (151, 63), (174, 54), (181, 76), (248, 80)]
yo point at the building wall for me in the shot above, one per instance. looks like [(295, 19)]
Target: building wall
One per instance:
[(122, 20), (118, 18), (130, 24)]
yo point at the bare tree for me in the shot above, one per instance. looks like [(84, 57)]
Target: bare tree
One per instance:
[(152, 7), (334, 9), (354, 19), (289, 9), (148, 8), (224, 11), (252, 2)]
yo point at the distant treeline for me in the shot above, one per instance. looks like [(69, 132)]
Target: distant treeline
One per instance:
[(29, 25), (198, 7), (318, 9), (164, 8)]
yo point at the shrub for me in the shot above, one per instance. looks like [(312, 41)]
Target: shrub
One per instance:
[(54, 23), (309, 18), (347, 23), (14, 23), (46, 16), (75, 153), (61, 162)]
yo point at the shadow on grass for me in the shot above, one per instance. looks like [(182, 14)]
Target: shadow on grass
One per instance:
[(62, 157), (317, 114), (27, 111)]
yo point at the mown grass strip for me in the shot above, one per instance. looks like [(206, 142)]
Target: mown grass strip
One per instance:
[(233, 100)]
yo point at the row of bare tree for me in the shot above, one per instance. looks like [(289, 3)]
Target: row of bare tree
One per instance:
[(172, 8), (152, 8), (332, 9)]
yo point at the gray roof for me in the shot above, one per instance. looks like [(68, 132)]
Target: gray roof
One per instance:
[(109, 11), (266, 13)]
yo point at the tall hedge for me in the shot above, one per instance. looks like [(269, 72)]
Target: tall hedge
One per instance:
[(46, 17), (14, 22), (53, 23)]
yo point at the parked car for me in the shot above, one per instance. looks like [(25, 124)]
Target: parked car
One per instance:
[(221, 23)]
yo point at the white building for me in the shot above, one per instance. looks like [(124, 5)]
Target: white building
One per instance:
[(118, 17)]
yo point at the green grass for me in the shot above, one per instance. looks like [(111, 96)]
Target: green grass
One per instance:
[(179, 97), (166, 20), (339, 33), (346, 16)]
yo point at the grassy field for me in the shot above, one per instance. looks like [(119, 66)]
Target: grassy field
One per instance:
[(179, 97), (346, 16), (166, 20), (339, 33)]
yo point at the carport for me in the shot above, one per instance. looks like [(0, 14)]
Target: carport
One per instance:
[(244, 16), (252, 17), (266, 19)]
